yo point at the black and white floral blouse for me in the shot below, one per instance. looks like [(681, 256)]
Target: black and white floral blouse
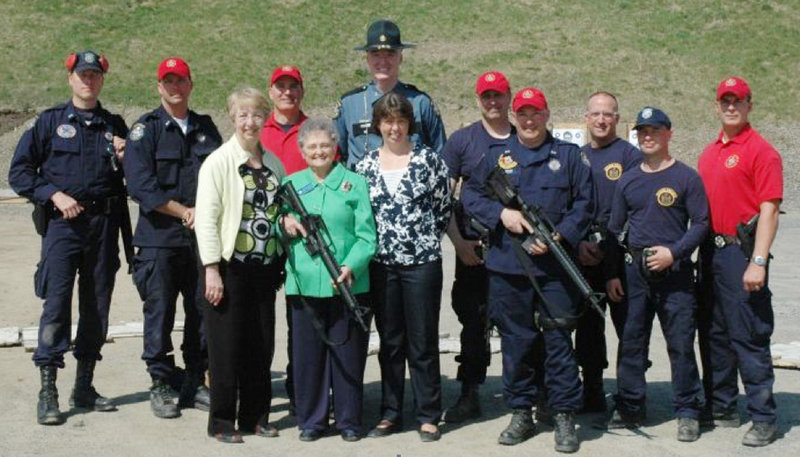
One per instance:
[(411, 222)]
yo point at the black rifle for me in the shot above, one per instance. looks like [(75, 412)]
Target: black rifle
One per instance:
[(501, 188), (315, 245)]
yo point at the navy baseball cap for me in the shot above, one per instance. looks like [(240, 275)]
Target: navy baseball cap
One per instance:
[(86, 60), (383, 34), (654, 117)]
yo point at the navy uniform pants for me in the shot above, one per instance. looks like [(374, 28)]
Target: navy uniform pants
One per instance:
[(469, 299), (512, 302), (160, 275), (406, 301), (86, 246), (318, 367), (672, 299), (241, 342), (738, 337)]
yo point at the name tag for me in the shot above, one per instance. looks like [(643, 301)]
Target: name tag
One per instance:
[(361, 128)]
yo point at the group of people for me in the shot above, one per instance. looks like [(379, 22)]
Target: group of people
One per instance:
[(347, 216)]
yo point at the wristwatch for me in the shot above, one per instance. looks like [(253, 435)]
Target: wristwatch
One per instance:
[(760, 261)]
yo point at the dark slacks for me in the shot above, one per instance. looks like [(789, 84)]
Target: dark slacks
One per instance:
[(407, 300), (469, 300), (160, 275), (512, 302), (318, 367), (737, 338), (86, 246), (672, 299), (241, 340)]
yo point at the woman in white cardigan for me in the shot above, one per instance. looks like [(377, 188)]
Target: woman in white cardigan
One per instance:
[(235, 226)]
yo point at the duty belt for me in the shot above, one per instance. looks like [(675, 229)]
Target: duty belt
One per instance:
[(720, 241)]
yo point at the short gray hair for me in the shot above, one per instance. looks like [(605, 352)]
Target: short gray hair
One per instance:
[(317, 124)]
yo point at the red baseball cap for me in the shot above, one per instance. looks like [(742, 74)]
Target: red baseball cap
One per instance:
[(176, 66), (529, 96), (286, 70), (492, 80), (735, 86)]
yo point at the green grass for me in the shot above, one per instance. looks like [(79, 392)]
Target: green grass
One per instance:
[(670, 54)]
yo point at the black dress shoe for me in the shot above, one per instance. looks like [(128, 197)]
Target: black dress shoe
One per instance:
[(384, 428), (429, 437), (229, 437), (350, 435), (310, 434)]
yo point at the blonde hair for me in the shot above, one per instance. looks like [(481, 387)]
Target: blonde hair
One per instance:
[(247, 96)]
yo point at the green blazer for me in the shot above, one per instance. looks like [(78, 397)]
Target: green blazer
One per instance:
[(342, 200)]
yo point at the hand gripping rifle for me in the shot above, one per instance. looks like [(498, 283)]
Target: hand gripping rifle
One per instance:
[(501, 188), (316, 246)]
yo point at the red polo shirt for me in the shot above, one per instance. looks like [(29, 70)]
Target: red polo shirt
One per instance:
[(284, 144), (738, 176)]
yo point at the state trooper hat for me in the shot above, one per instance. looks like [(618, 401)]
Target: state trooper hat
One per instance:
[(653, 117), (383, 34)]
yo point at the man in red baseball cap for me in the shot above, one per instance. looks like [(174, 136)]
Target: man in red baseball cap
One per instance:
[(743, 177), (166, 148), (553, 175), (462, 153), (279, 136)]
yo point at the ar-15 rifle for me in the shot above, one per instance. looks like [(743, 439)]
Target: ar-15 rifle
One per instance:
[(501, 188), (316, 246)]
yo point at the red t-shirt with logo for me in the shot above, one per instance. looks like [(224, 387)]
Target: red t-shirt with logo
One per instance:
[(738, 176), (284, 143)]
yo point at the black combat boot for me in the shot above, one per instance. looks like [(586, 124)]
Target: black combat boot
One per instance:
[(162, 400), (47, 412), (760, 434), (519, 429), (194, 393), (688, 429), (467, 406), (84, 395), (565, 434)]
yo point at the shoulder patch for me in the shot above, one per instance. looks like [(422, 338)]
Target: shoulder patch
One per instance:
[(137, 132), (585, 159), (353, 92)]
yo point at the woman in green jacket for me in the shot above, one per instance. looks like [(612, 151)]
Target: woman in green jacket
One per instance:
[(329, 348)]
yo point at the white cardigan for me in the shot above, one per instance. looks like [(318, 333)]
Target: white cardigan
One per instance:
[(220, 197)]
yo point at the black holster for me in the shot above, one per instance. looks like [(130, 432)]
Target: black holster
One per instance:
[(41, 217)]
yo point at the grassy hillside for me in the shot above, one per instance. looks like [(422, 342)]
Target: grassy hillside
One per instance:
[(670, 53)]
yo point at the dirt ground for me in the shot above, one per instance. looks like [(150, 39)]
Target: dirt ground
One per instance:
[(134, 431)]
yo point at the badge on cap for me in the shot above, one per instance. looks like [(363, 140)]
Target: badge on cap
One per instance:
[(382, 38), (88, 57), (613, 171), (66, 131), (554, 165), (171, 63), (647, 113), (287, 68), (201, 137), (527, 94), (490, 77), (731, 161), (666, 196), (506, 162), (137, 132), (730, 82)]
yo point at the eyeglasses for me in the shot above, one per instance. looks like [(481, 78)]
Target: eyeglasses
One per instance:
[(738, 104), (607, 115)]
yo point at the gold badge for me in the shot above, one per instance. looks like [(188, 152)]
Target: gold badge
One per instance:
[(731, 161), (506, 162), (666, 196), (171, 63), (490, 77), (613, 171)]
